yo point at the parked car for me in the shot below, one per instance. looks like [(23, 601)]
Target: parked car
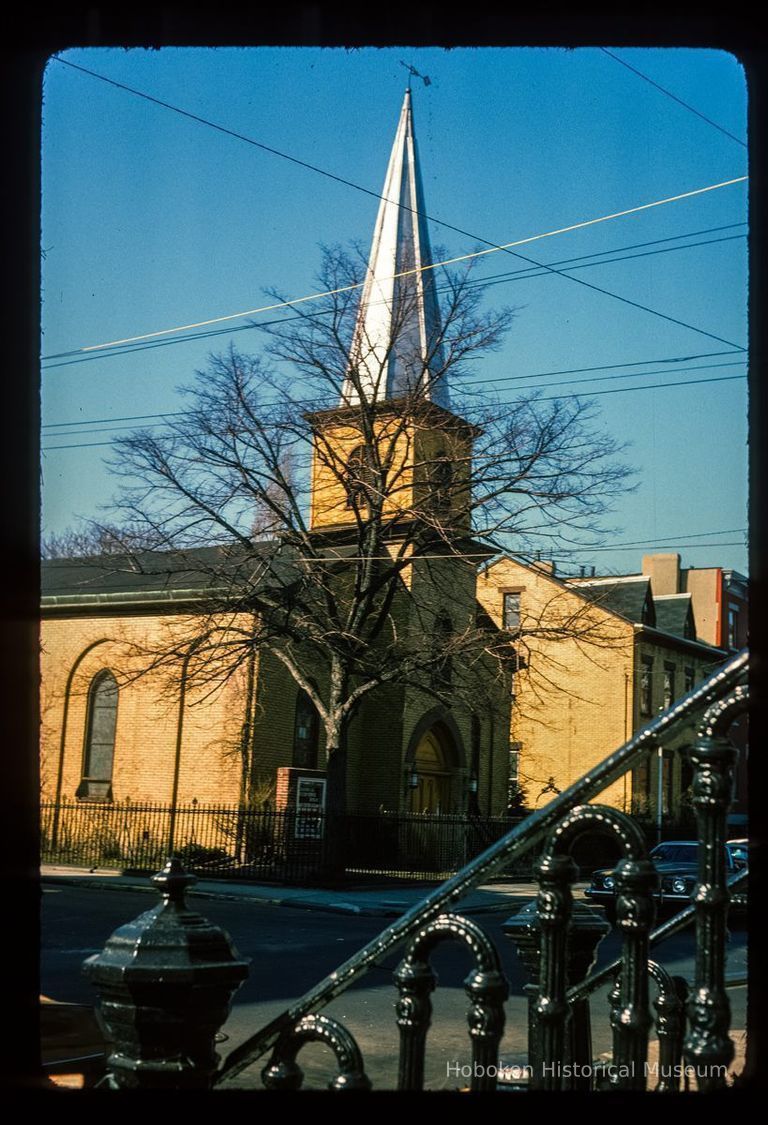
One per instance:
[(676, 862), (739, 850)]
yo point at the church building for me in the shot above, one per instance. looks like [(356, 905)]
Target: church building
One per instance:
[(114, 731)]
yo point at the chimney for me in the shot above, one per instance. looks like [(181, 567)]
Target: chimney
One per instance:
[(547, 567), (664, 573)]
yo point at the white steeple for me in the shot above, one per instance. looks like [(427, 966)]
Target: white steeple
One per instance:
[(396, 340)]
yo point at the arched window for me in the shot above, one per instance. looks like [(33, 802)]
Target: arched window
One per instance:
[(101, 723), (306, 733)]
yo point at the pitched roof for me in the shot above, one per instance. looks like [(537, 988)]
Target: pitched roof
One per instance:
[(674, 614), (631, 599), (163, 575)]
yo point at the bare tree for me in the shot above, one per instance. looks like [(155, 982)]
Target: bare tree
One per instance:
[(91, 539), (345, 517)]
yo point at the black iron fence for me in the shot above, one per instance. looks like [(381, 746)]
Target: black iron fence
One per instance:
[(265, 844)]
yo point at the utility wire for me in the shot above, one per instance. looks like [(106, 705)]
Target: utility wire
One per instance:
[(494, 247), (674, 97), (545, 398), (492, 379), (112, 426), (496, 379), (314, 402), (676, 538), (524, 274), (506, 248), (653, 387)]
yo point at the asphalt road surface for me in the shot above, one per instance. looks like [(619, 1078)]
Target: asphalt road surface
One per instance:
[(291, 949)]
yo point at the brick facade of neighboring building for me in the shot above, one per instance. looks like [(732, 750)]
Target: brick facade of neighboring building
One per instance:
[(596, 665)]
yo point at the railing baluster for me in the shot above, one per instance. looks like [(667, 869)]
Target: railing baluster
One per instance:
[(486, 986), (670, 1026), (282, 1072), (555, 873), (631, 1018), (635, 877), (415, 981), (708, 1047)]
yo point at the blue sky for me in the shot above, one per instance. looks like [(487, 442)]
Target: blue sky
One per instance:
[(151, 220)]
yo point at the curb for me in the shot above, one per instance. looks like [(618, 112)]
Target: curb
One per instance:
[(265, 900)]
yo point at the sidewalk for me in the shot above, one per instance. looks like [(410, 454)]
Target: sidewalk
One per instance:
[(387, 901)]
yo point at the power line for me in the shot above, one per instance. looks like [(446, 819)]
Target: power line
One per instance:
[(676, 538), (491, 379), (496, 379), (649, 543), (503, 402), (121, 418), (604, 378), (674, 97), (528, 272), (494, 247), (506, 248), (112, 425), (524, 274), (654, 387)]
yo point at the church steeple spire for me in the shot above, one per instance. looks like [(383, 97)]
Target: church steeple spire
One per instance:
[(396, 341)]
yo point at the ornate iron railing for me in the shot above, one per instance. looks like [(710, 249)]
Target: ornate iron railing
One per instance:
[(557, 945)]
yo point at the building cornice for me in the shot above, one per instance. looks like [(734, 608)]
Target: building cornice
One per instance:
[(670, 640)]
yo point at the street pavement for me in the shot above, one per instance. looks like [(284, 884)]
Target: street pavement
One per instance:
[(368, 1010), (382, 900)]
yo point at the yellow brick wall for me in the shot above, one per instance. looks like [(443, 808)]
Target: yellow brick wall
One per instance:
[(573, 702), (662, 656), (74, 650), (333, 448), (413, 446)]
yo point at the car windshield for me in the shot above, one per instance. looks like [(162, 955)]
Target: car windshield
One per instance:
[(675, 853)]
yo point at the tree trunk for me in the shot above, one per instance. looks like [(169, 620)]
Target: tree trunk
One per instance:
[(334, 850)]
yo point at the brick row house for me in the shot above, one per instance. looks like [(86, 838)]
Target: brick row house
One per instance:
[(599, 657)]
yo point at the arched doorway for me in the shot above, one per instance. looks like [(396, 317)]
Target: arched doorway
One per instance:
[(434, 770)]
